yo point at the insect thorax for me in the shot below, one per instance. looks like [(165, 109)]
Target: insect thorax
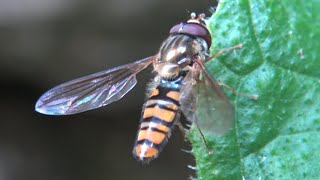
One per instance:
[(177, 52)]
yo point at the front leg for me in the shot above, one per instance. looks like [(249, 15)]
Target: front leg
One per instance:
[(255, 97), (239, 46)]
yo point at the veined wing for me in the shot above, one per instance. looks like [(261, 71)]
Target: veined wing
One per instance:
[(203, 101), (91, 91)]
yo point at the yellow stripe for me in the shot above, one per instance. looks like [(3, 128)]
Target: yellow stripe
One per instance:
[(148, 112), (153, 125), (162, 127), (155, 92), (150, 152), (144, 124), (153, 136), (172, 106), (160, 113), (174, 95)]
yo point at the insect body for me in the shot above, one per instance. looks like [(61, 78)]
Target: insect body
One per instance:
[(160, 113), (182, 84)]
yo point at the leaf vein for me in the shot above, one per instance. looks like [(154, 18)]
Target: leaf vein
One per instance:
[(254, 37), (299, 133), (281, 135), (293, 71)]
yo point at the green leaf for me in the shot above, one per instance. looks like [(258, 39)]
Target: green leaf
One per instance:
[(278, 135)]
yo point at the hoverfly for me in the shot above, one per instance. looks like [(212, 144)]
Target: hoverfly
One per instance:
[(182, 84)]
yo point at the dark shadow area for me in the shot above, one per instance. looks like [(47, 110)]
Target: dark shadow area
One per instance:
[(45, 43)]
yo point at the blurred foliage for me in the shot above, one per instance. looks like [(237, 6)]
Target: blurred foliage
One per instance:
[(44, 43), (277, 136)]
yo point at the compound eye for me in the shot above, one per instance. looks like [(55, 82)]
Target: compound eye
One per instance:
[(193, 29)]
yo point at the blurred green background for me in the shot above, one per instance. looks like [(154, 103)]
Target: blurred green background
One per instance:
[(46, 42)]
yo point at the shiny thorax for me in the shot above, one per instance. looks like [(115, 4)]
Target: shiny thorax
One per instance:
[(177, 53)]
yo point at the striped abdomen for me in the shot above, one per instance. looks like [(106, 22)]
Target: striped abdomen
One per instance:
[(159, 115)]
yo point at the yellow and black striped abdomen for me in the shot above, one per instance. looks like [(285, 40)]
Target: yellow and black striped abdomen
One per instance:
[(159, 115)]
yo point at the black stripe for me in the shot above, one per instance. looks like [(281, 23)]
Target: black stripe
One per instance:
[(158, 121), (149, 143), (163, 95), (153, 129), (161, 106)]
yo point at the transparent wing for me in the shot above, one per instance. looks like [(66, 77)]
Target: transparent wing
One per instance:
[(91, 91), (203, 101)]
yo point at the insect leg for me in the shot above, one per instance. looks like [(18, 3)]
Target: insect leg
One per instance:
[(203, 139), (181, 128), (255, 97), (183, 131), (239, 46)]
